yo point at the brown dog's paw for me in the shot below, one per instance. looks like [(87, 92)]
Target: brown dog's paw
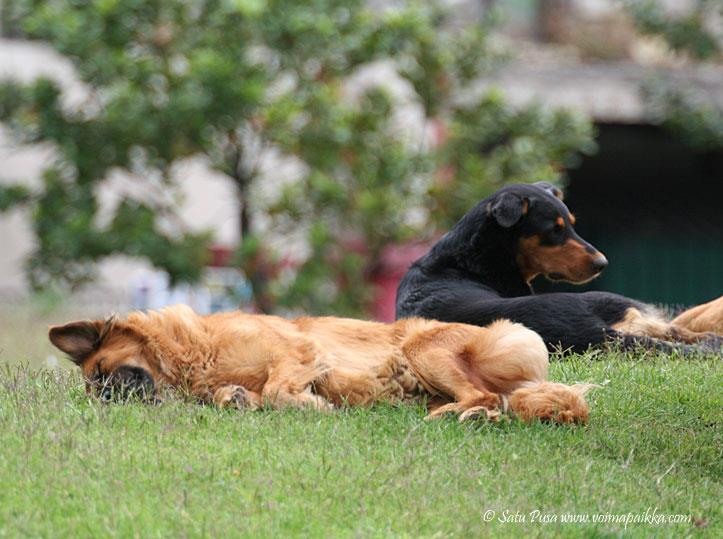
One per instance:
[(480, 412), (321, 404), (487, 400), (233, 396), (468, 411), (440, 411)]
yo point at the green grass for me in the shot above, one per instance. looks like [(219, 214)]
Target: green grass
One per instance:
[(70, 465)]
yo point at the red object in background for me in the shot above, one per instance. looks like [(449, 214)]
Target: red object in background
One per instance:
[(396, 259), (394, 263), (220, 256)]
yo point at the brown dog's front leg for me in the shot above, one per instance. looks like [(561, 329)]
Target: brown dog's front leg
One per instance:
[(278, 397), (290, 380)]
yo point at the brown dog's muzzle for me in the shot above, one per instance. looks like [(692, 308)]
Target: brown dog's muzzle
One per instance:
[(123, 384)]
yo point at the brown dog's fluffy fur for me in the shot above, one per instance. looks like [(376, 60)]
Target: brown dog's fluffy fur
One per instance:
[(245, 360)]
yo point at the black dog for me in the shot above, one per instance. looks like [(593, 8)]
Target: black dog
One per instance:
[(481, 271)]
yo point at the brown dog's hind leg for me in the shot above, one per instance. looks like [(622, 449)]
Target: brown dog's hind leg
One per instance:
[(476, 365), (440, 372)]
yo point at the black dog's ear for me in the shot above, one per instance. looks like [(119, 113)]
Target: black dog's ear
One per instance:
[(547, 186), (508, 209), (77, 339)]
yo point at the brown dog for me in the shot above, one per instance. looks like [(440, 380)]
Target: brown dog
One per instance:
[(245, 360)]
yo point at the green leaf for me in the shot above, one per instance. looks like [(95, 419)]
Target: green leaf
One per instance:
[(13, 195)]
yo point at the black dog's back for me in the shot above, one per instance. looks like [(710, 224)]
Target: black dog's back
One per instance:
[(567, 320)]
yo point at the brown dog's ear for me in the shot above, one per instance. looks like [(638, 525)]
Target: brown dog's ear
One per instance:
[(77, 339), (554, 191), (508, 209)]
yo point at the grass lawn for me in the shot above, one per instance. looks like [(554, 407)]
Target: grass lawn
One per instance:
[(71, 466)]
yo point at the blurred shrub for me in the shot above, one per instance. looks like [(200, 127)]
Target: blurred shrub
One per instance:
[(229, 79), (688, 33), (696, 118), (698, 122)]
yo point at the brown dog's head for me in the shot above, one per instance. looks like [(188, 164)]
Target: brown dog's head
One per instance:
[(111, 355), (546, 241)]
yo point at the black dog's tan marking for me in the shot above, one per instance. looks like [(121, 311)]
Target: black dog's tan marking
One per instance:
[(481, 271)]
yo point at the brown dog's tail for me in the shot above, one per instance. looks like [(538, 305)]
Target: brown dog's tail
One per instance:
[(551, 401)]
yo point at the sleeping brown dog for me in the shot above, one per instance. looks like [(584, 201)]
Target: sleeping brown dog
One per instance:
[(248, 361)]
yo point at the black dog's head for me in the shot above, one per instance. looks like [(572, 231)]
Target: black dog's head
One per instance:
[(545, 239)]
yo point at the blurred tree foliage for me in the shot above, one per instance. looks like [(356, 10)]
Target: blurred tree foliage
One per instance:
[(230, 79), (696, 34)]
